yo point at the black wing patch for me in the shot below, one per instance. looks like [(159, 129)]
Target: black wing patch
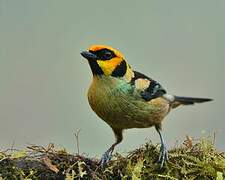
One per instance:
[(153, 90)]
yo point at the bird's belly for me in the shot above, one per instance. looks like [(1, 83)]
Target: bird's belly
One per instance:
[(121, 109)]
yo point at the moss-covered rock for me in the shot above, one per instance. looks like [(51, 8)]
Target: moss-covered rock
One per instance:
[(197, 160)]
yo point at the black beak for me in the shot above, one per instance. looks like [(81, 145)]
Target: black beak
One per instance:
[(88, 55)]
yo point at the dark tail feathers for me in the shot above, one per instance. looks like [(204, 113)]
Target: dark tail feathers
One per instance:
[(190, 100)]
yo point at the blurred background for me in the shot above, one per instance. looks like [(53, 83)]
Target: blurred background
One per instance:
[(44, 80)]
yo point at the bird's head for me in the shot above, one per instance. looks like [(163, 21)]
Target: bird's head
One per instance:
[(107, 61)]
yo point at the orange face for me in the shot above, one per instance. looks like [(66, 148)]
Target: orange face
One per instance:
[(103, 59)]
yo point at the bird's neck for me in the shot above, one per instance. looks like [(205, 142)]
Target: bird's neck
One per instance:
[(122, 71)]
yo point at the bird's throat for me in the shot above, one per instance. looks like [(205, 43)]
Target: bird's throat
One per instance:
[(95, 68)]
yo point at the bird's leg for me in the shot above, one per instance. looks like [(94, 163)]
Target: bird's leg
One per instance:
[(163, 155), (106, 157)]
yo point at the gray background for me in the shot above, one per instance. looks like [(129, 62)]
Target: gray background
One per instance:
[(44, 80)]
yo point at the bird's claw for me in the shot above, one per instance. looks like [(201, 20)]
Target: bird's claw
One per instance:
[(163, 155), (106, 157)]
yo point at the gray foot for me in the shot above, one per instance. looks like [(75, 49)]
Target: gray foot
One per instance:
[(106, 157), (163, 155)]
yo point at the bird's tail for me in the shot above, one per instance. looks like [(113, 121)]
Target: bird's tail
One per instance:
[(190, 100), (180, 100)]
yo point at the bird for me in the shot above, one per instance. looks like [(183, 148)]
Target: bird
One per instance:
[(125, 98)]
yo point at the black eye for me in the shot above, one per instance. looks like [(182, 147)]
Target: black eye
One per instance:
[(107, 55)]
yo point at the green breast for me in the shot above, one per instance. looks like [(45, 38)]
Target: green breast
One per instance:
[(117, 103)]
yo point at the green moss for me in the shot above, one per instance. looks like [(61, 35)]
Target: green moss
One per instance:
[(198, 161)]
